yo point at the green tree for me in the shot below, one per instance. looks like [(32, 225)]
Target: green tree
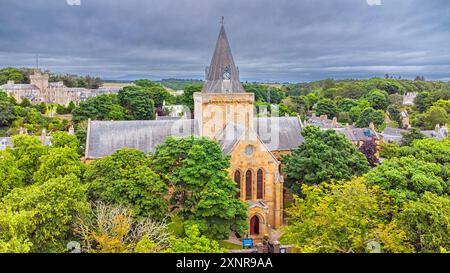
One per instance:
[(196, 170), (427, 222), (194, 242), (102, 107), (411, 135), (188, 95), (63, 139), (324, 156), (355, 111), (42, 214), (369, 115), (435, 115), (7, 115), (27, 151), (394, 114), (138, 103), (343, 217), (407, 178), (378, 99), (423, 101), (125, 178), (326, 107), (58, 162), (10, 174)]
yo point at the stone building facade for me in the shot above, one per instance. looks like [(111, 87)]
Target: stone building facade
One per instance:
[(224, 112), (41, 90)]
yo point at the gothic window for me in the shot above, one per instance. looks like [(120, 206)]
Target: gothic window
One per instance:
[(237, 180), (260, 184), (248, 185)]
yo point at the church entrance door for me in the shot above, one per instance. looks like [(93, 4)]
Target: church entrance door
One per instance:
[(254, 225)]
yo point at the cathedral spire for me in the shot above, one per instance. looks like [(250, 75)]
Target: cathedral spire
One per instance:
[(222, 76)]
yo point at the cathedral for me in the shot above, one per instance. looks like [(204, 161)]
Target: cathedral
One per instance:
[(223, 111)]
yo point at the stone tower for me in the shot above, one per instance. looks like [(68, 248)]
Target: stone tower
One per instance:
[(222, 100), (39, 79)]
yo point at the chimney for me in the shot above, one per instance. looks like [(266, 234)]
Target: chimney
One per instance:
[(372, 126), (156, 115), (334, 122), (71, 130), (43, 136), (437, 128)]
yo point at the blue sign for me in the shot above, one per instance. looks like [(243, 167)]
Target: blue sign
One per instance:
[(247, 242)]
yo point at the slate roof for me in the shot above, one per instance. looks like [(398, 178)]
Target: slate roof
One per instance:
[(19, 87), (105, 137), (357, 134), (391, 134), (279, 133), (222, 60), (5, 142)]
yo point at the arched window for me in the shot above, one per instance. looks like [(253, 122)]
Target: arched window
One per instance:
[(237, 179), (248, 185), (260, 184)]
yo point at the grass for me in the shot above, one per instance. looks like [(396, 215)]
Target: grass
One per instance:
[(229, 245)]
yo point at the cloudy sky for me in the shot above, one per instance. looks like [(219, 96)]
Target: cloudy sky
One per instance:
[(272, 40)]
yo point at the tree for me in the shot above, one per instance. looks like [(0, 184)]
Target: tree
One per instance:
[(58, 162), (378, 99), (6, 110), (11, 74), (369, 115), (411, 135), (114, 229), (423, 101), (297, 104), (125, 178), (427, 222), (343, 217), (345, 104), (443, 104), (188, 95), (355, 111), (394, 114), (41, 215), (27, 151), (435, 115), (369, 149), (324, 156), (137, 102), (197, 171), (407, 178), (194, 242), (10, 175), (25, 102), (326, 107), (65, 140), (102, 107)]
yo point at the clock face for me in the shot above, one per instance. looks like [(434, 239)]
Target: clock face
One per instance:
[(226, 74)]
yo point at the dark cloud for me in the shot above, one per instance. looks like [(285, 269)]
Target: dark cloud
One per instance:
[(278, 40)]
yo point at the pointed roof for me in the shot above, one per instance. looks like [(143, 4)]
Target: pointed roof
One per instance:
[(222, 75)]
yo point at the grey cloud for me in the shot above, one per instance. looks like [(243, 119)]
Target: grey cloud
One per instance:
[(277, 40)]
